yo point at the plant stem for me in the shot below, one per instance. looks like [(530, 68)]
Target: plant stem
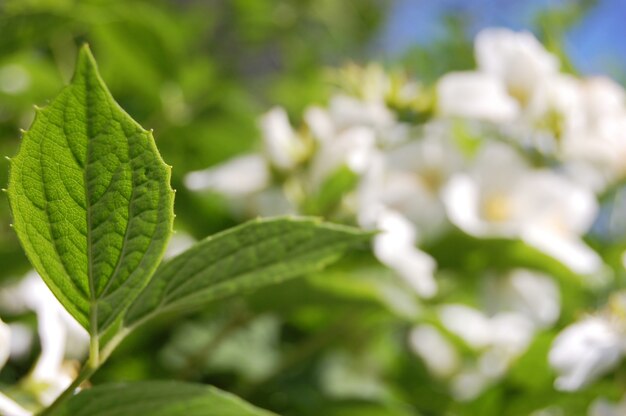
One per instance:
[(85, 372), (92, 365)]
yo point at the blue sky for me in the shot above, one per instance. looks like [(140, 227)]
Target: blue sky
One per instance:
[(596, 45)]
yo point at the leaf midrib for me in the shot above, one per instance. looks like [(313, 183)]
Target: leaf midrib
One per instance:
[(93, 301)]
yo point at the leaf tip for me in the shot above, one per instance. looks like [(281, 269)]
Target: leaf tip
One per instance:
[(85, 61)]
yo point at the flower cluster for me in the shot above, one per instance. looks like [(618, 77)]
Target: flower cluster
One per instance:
[(63, 341), (516, 150)]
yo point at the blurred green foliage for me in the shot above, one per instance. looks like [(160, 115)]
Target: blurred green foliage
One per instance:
[(199, 73)]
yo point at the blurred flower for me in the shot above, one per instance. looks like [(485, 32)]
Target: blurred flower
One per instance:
[(409, 179), (5, 343), (237, 177), (348, 376), (9, 407), (60, 335), (475, 95), (586, 350), (603, 407), (498, 341), (439, 355), (501, 196), (347, 145), (284, 148), (516, 59), (395, 247), (534, 295), (14, 79), (518, 304)]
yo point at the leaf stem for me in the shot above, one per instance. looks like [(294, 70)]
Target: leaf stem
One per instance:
[(85, 372), (96, 359), (94, 352)]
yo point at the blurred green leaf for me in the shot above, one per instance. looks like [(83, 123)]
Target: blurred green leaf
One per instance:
[(157, 398)]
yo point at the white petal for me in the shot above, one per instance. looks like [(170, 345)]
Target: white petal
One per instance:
[(461, 198), (485, 201), (320, 123), (511, 333), (516, 58), (569, 250), (10, 408), (529, 293), (240, 176), (5, 343), (603, 97), (21, 340), (469, 385), (467, 323), (439, 355), (583, 352), (395, 247), (603, 407), (475, 95), (353, 147), (348, 112), (52, 333), (282, 145)]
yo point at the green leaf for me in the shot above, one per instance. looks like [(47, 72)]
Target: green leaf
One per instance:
[(250, 256), (156, 398), (91, 200)]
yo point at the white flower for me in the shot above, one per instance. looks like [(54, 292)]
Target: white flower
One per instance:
[(411, 178), (284, 148), (562, 211), (348, 376), (395, 247), (475, 95), (599, 136), (587, 119), (347, 112), (603, 407), (515, 58), (501, 338), (240, 176), (471, 325), (529, 293), (59, 333), (502, 196), (469, 384), (585, 351), (246, 182), (485, 201), (5, 343), (10, 408), (14, 79), (353, 147), (439, 355)]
